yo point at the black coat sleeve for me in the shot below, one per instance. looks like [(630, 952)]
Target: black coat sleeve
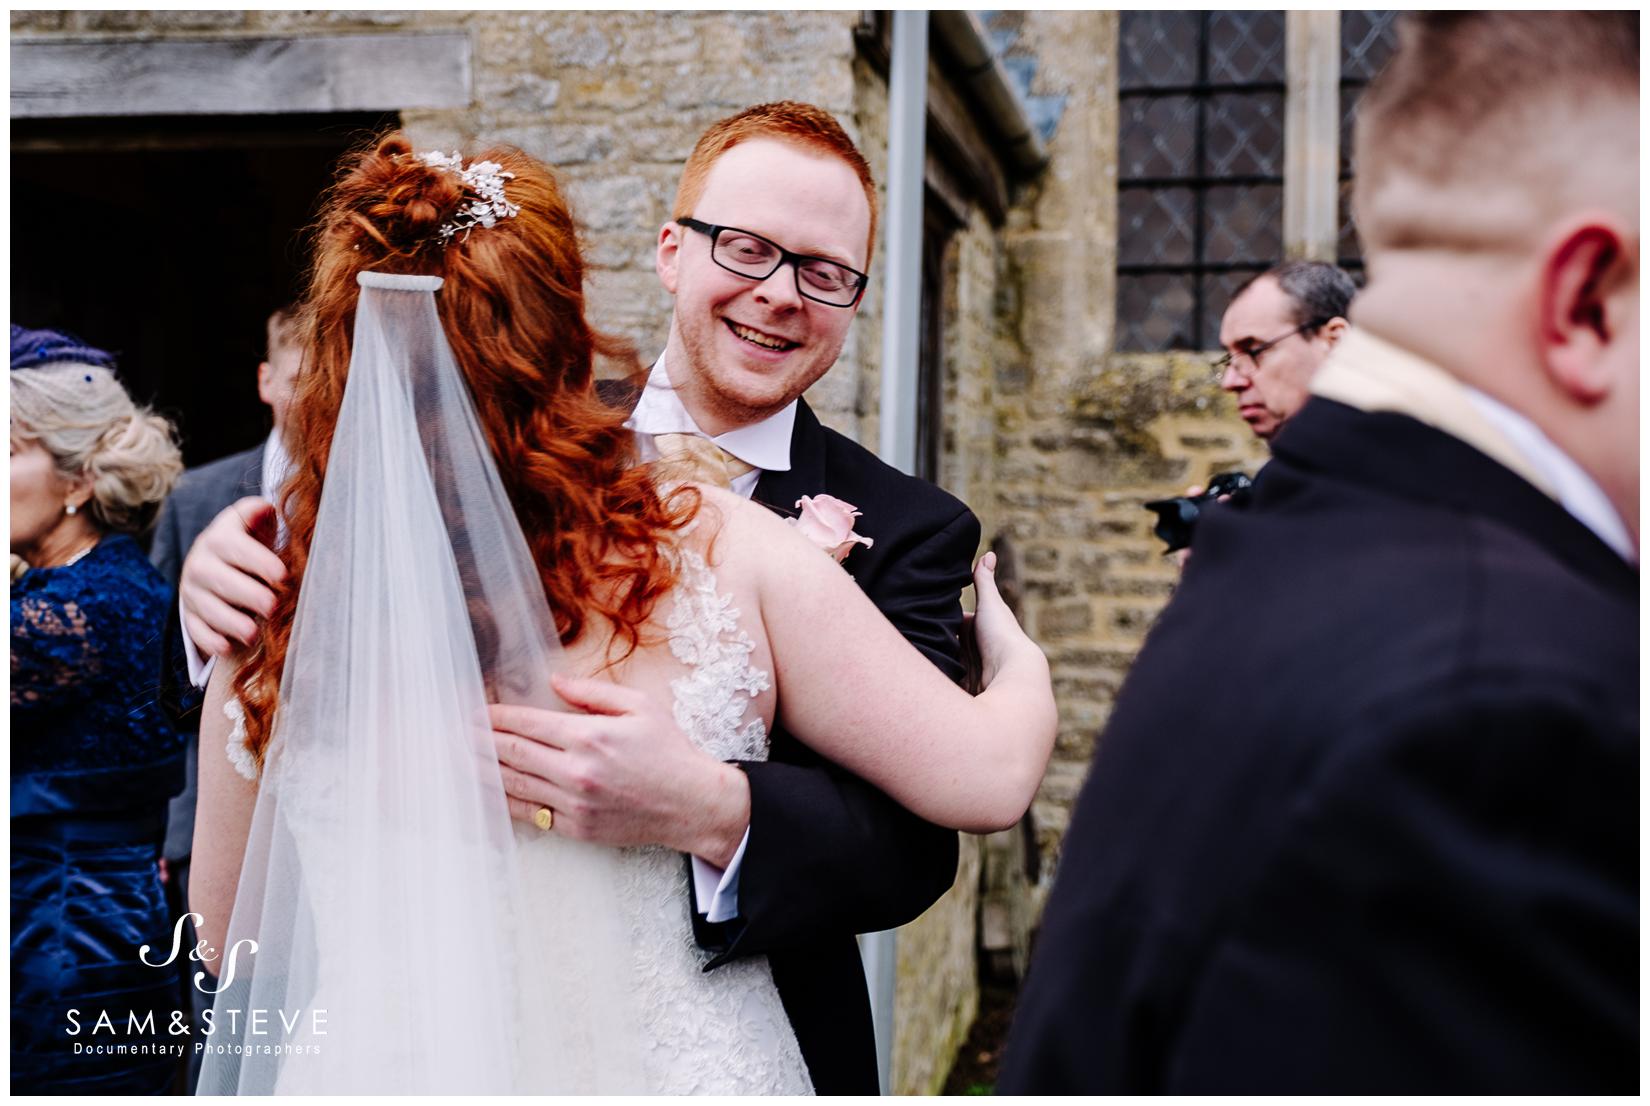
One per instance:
[(829, 854), (1457, 912)]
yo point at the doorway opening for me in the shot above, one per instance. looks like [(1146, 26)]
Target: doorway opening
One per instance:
[(168, 241)]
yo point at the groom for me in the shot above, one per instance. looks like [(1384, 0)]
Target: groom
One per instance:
[(791, 857)]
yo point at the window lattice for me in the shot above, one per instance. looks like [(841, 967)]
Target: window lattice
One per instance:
[(1200, 176)]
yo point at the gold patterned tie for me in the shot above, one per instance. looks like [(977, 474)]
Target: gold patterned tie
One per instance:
[(685, 457)]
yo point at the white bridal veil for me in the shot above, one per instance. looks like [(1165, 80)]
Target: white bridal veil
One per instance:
[(410, 937)]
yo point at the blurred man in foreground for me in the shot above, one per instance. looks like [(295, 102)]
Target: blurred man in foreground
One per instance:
[(1393, 846)]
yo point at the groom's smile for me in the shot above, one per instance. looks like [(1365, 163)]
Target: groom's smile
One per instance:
[(761, 339)]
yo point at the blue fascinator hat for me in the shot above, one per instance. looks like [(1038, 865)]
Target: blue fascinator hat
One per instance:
[(30, 348)]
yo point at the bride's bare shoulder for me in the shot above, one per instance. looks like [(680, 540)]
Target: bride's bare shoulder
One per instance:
[(735, 534)]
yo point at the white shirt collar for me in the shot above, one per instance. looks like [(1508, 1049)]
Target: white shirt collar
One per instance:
[(277, 466), (1575, 491), (765, 444)]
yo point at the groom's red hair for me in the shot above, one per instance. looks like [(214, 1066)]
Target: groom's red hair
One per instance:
[(512, 304), (811, 128)]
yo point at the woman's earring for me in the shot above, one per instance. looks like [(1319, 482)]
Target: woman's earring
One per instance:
[(70, 508)]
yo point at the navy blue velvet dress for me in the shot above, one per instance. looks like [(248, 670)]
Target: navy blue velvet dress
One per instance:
[(93, 761)]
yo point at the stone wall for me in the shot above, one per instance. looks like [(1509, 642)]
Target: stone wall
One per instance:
[(1079, 436), (614, 100)]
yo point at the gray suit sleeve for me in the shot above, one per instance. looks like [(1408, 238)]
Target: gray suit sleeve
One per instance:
[(166, 553)]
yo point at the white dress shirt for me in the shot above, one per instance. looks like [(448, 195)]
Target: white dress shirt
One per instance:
[(1575, 491), (766, 445)]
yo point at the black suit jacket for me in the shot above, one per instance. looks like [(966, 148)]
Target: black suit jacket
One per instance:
[(830, 856), (1365, 818), (200, 494)]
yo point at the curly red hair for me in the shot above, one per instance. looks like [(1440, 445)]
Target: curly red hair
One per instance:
[(512, 305)]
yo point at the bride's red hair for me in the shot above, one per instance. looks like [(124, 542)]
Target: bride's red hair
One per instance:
[(512, 305)]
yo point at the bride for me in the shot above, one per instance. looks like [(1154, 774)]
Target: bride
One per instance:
[(466, 524)]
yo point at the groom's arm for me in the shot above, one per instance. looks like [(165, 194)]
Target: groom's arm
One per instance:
[(827, 853)]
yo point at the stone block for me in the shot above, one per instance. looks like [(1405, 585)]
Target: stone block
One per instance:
[(605, 91), (105, 22), (213, 20), (515, 91), (1040, 558), (584, 45), (837, 390), (667, 143), (1064, 620), (614, 203), (38, 22), (1076, 742)]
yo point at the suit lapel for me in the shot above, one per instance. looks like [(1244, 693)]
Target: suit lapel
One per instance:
[(806, 476), (252, 477)]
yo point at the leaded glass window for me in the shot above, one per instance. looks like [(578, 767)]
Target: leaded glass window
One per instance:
[(1200, 178), (1367, 40)]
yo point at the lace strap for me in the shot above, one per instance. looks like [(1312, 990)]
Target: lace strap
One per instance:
[(237, 748), (711, 701)]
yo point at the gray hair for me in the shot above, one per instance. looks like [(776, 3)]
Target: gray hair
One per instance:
[(1318, 290), (83, 417)]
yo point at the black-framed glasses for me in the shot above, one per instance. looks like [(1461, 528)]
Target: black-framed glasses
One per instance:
[(1252, 355), (756, 258)]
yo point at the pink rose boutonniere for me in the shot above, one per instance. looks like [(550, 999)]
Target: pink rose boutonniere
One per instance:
[(828, 522)]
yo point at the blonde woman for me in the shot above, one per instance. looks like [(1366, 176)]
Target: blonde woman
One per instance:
[(94, 758)]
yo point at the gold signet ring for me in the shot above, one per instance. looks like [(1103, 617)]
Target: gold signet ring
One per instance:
[(544, 818)]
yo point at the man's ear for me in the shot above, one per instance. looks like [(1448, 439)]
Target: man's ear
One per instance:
[(265, 371), (1578, 324), (1334, 330), (666, 254)]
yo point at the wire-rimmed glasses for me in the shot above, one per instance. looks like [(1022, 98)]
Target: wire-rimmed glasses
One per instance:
[(1252, 354)]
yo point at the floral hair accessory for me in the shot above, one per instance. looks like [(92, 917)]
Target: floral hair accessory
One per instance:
[(828, 522), (486, 180)]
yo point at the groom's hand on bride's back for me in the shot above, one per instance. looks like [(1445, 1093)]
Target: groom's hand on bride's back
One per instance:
[(228, 577), (623, 773)]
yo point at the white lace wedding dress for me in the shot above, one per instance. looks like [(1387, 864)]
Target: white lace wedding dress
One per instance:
[(718, 1032)]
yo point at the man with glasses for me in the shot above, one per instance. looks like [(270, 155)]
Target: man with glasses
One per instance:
[(766, 255), (1279, 328)]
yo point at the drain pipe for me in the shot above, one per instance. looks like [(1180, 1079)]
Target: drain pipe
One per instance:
[(902, 295), (901, 324)]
